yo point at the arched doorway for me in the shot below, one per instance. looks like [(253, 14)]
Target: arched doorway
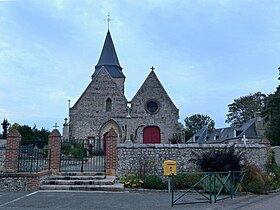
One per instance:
[(106, 127), (151, 135)]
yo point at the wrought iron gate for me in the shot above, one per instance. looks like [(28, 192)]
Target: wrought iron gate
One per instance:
[(82, 155)]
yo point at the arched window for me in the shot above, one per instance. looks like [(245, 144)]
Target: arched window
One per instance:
[(108, 105)]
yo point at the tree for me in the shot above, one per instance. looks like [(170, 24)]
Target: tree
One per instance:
[(243, 108), (271, 112), (32, 135), (195, 122), (5, 124)]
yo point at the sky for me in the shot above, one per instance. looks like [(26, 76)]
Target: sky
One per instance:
[(206, 53)]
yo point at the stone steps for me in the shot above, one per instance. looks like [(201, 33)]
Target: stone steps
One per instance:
[(58, 177), (115, 187), (81, 182), (81, 174)]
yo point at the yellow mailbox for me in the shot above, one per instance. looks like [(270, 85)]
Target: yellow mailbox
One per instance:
[(169, 167)]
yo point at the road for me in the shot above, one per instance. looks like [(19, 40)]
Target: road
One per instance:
[(136, 200)]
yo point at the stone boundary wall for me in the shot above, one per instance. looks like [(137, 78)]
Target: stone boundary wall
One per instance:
[(148, 158), (2, 159), (22, 181), (3, 143), (276, 150)]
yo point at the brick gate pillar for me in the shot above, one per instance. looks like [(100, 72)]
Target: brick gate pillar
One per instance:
[(55, 145), (12, 151), (111, 153)]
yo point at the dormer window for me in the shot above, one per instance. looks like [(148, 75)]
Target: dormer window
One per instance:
[(108, 105)]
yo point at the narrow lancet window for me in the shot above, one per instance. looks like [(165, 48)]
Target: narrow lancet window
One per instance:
[(108, 105)]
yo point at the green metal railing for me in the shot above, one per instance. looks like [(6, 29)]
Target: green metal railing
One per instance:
[(206, 197), (77, 155), (211, 186), (25, 160), (34, 160)]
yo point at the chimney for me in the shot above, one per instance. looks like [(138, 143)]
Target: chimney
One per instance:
[(259, 123)]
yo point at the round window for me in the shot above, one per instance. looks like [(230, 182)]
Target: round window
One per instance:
[(152, 107)]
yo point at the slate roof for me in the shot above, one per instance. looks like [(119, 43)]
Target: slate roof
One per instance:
[(221, 135), (109, 59)]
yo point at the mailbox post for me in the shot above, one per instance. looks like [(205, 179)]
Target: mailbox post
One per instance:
[(169, 169)]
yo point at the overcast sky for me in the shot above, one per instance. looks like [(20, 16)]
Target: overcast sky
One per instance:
[(206, 53)]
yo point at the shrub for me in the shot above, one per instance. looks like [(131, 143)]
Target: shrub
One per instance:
[(76, 152), (257, 180), (257, 184), (219, 160), (153, 182), (131, 181), (274, 173)]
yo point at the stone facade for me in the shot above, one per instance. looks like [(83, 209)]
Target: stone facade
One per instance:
[(103, 106), (166, 118), (149, 158), (89, 117)]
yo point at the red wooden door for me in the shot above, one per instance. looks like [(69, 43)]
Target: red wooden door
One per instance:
[(151, 135)]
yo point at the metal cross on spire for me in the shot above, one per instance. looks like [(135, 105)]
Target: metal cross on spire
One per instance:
[(152, 68), (108, 20)]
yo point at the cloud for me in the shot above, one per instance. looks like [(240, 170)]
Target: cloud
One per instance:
[(206, 52)]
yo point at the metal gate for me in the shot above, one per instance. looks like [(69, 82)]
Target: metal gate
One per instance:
[(82, 155), (206, 187)]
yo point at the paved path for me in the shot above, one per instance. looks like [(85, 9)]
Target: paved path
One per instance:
[(126, 201)]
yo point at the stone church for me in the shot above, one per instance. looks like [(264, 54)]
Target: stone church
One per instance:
[(149, 118)]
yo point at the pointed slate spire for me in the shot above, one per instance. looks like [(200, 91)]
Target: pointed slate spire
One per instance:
[(109, 59)]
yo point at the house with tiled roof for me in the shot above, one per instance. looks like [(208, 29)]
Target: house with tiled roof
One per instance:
[(249, 133)]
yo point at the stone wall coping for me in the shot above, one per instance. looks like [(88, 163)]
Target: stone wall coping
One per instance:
[(250, 146), (54, 133), (24, 174), (14, 133), (182, 146)]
